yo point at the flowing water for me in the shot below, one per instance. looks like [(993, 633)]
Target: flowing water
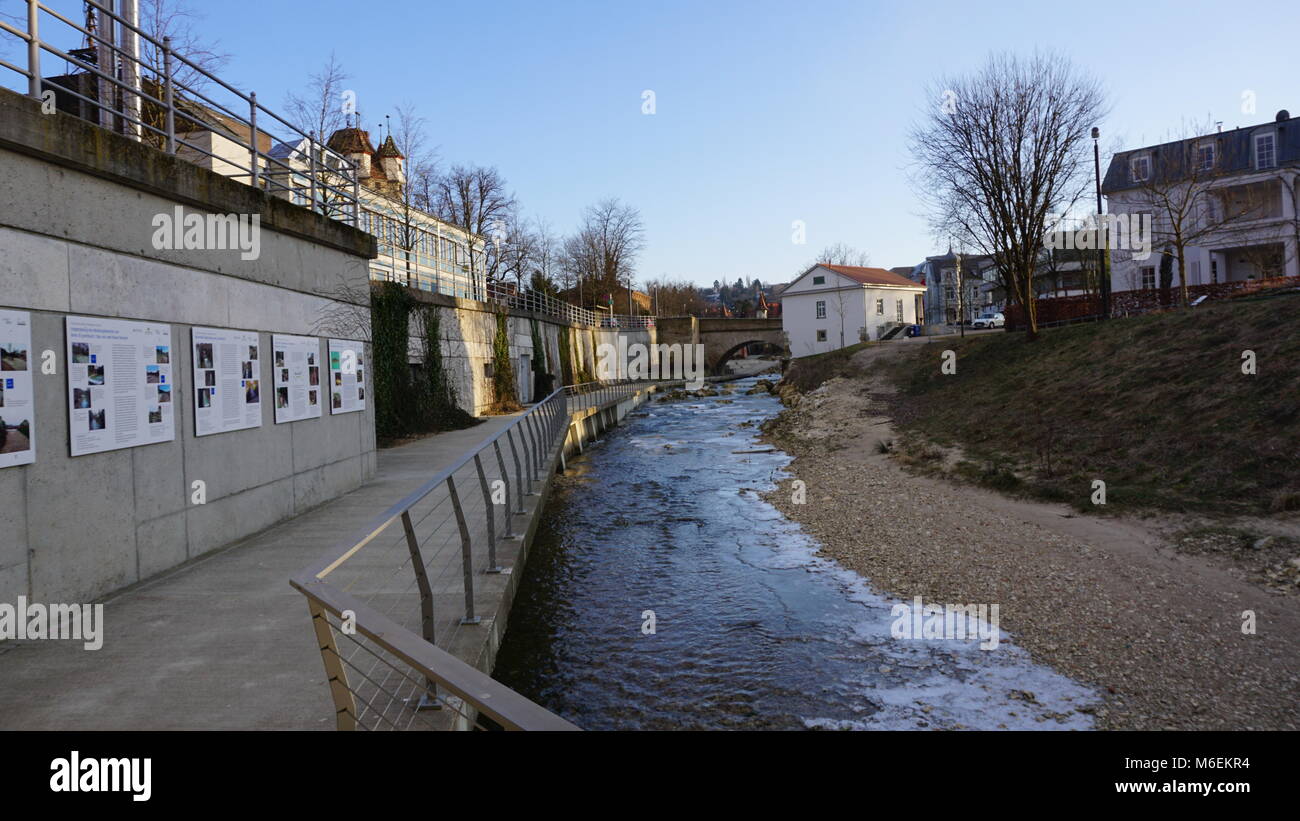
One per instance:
[(751, 629)]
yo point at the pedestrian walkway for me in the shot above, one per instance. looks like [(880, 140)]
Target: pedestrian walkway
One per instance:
[(223, 642)]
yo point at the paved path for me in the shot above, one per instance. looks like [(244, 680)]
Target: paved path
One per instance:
[(224, 642)]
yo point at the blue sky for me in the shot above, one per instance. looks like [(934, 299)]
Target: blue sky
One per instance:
[(766, 112)]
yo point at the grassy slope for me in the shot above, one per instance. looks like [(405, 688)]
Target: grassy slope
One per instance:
[(1156, 406)]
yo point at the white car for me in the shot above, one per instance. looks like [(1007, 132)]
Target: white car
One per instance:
[(989, 321)]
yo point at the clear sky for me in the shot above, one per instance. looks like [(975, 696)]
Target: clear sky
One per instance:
[(765, 112)]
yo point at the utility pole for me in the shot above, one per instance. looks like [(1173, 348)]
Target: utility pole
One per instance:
[(1102, 240)]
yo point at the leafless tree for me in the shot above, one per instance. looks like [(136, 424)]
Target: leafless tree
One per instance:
[(411, 140), (669, 297), (604, 249), (841, 254), (1001, 150), (475, 198), (177, 20), (1189, 204), (319, 110)]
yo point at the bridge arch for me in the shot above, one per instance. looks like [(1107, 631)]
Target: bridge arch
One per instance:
[(716, 365)]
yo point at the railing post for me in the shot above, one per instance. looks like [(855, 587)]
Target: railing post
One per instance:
[(505, 480), (465, 555), (492, 567), (429, 699), (519, 473), (33, 50), (345, 706), (252, 140), (168, 95), (311, 151)]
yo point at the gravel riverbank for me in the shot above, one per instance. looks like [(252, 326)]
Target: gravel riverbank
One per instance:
[(1105, 601)]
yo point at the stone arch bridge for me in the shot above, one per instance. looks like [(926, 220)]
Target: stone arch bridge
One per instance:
[(721, 338)]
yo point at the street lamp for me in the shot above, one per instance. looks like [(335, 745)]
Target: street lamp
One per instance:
[(1103, 278)]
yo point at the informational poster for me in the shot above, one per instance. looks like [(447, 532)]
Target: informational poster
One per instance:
[(119, 384), (227, 393), (298, 384), (347, 376), (17, 410)]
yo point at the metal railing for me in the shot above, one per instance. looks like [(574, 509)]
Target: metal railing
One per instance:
[(160, 97), (527, 299), (599, 394), (385, 602)]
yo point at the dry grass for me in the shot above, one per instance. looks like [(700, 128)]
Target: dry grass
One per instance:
[(1157, 407)]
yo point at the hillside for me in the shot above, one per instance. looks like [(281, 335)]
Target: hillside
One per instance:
[(1158, 407)]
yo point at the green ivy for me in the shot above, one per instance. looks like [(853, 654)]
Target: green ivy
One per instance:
[(566, 356), (503, 370), (390, 331), (439, 410)]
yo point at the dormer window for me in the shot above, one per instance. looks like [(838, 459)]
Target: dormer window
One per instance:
[(1265, 150), (1140, 167), (1205, 156)]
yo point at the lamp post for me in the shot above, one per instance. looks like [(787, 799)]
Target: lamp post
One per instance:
[(1103, 277)]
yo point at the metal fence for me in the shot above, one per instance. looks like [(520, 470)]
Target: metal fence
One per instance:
[(127, 81), (387, 601), (529, 300)]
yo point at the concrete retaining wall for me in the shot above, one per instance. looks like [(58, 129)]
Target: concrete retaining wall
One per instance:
[(76, 224)]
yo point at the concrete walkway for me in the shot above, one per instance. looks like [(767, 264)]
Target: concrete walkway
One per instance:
[(223, 642)]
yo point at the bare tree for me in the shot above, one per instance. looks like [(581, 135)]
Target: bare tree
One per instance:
[(1188, 203), (841, 254), (475, 198), (606, 245), (411, 140), (1002, 149), (319, 110)]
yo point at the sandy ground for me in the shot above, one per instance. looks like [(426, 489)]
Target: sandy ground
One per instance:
[(1107, 601)]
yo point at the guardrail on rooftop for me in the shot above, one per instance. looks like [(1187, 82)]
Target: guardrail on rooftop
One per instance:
[(384, 600)]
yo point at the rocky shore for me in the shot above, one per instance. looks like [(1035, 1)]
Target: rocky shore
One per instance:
[(1109, 602)]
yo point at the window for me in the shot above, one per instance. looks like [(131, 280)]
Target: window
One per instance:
[(1140, 167), (821, 335), (1149, 277), (1265, 151), (900, 310), (1214, 270), (1205, 156), (880, 307), (1194, 272), (821, 309), (819, 280)]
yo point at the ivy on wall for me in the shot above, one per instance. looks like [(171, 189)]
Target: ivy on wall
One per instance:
[(542, 379), (503, 370), (566, 355), (438, 410), (409, 402), (390, 308)]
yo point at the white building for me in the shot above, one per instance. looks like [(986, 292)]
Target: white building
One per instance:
[(1238, 190), (414, 247), (833, 306)]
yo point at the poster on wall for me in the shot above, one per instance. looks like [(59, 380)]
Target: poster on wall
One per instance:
[(119, 384), (17, 410), (347, 376), (297, 377), (227, 393)]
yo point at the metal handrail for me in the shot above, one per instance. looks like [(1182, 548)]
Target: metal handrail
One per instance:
[(121, 109), (530, 441)]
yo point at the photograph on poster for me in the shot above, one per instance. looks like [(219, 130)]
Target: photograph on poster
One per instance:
[(223, 371), (164, 394)]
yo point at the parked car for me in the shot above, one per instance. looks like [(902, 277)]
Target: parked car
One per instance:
[(989, 321)]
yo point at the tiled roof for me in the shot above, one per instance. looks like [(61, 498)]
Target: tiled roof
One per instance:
[(870, 276)]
